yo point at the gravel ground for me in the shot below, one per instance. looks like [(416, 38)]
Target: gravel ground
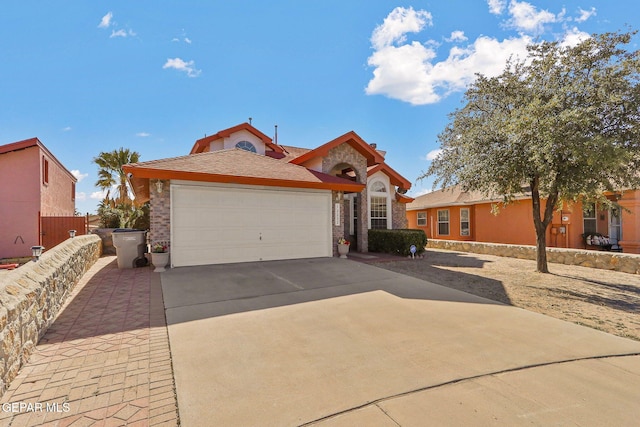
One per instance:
[(605, 300)]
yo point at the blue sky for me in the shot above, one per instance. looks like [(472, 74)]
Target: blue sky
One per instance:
[(87, 76)]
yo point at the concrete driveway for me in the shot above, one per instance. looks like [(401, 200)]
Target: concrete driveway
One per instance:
[(335, 342)]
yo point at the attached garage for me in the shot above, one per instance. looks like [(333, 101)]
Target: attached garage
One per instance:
[(238, 196), (215, 224)]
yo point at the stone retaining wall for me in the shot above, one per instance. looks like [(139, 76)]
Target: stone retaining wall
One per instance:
[(626, 263), (31, 297)]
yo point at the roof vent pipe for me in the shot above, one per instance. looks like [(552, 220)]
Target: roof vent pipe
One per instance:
[(276, 137)]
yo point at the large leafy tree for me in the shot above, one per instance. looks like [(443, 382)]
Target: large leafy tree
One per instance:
[(562, 123), (111, 175)]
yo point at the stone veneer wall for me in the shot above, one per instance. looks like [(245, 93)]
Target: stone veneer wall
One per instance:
[(626, 263), (160, 212), (398, 215), (32, 295), (346, 154)]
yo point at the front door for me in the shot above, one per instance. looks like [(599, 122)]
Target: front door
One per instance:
[(615, 223)]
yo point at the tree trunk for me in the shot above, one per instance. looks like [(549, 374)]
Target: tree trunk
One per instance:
[(541, 250), (541, 224)]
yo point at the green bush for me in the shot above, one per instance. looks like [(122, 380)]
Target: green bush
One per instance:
[(397, 241)]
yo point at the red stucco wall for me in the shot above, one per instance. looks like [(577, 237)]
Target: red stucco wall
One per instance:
[(23, 195)]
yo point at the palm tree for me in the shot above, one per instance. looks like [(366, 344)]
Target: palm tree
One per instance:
[(111, 174)]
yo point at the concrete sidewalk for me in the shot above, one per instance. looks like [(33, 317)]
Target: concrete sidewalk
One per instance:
[(312, 342), (104, 362), (340, 343)]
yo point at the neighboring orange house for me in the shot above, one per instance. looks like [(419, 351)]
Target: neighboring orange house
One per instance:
[(33, 183), (240, 196), (452, 214)]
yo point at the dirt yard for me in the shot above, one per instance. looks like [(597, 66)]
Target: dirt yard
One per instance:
[(601, 299)]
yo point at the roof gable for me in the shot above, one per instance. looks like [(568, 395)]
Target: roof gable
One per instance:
[(395, 178), (202, 143), (233, 166), (20, 145), (371, 154), (35, 142)]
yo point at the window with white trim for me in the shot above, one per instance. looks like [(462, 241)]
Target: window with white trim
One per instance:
[(378, 205), (443, 222), (464, 222), (246, 145), (422, 218), (589, 218), (378, 187)]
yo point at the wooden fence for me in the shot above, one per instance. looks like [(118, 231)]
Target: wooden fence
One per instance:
[(55, 229)]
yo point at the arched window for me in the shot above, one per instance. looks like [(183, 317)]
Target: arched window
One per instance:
[(246, 145), (379, 206), (378, 187)]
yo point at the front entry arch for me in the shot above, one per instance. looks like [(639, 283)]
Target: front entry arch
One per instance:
[(354, 208)]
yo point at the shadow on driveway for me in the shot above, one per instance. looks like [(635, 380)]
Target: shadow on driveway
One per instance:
[(193, 293), (435, 269)]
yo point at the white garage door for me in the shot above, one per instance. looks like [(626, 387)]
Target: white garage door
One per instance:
[(216, 225)]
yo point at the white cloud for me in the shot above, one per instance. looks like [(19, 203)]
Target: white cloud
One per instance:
[(66, 129), (81, 196), (79, 176), (105, 22), (525, 17), (574, 36), (182, 38), (585, 14), (431, 155), (98, 195), (179, 64), (122, 33), (496, 7), (397, 24), (143, 134), (408, 70), (457, 36)]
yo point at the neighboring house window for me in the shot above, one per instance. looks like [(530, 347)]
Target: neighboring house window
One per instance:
[(246, 145), (443, 222), (378, 205), (73, 191), (464, 222), (422, 218), (589, 218), (45, 170)]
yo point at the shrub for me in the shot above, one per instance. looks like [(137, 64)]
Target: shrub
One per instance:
[(397, 241)]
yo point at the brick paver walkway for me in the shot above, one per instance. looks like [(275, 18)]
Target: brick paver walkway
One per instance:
[(104, 362)]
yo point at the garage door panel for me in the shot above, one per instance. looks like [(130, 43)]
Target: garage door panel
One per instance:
[(212, 225)]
